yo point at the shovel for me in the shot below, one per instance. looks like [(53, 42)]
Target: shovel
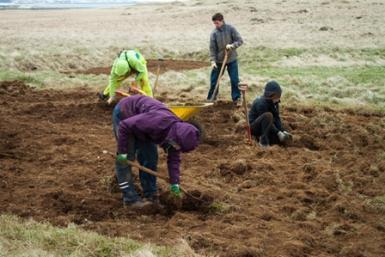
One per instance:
[(157, 76), (243, 88), (151, 172), (219, 77)]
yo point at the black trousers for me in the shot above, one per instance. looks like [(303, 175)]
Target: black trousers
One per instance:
[(264, 129)]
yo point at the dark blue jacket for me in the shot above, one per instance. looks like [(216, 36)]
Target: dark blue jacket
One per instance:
[(262, 105)]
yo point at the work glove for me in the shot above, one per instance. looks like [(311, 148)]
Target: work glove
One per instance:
[(230, 47), (111, 99), (290, 136), (175, 191), (213, 65), (122, 157), (283, 137)]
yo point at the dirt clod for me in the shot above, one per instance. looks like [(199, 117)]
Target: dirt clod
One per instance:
[(191, 201)]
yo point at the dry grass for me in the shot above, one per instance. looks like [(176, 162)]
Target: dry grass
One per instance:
[(283, 41), (29, 238), (76, 38)]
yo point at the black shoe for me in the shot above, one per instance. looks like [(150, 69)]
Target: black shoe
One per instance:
[(154, 200), (136, 205), (102, 96)]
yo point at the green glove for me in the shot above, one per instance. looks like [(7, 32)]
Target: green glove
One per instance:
[(175, 190), (121, 158)]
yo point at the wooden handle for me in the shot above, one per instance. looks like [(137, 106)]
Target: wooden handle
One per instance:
[(137, 165), (156, 174), (248, 129), (219, 76), (157, 78), (147, 170)]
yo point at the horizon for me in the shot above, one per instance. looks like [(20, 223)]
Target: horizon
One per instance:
[(69, 4)]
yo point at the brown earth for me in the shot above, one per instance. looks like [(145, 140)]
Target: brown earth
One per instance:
[(152, 66), (313, 198)]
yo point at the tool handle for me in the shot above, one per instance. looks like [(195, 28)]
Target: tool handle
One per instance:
[(243, 88), (219, 76), (147, 170), (137, 165), (157, 78), (156, 174), (151, 172), (122, 93)]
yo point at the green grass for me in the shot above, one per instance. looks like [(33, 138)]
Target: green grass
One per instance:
[(376, 204), (355, 75), (263, 56), (364, 86), (358, 81), (318, 81), (29, 238), (219, 208), (53, 79), (355, 78)]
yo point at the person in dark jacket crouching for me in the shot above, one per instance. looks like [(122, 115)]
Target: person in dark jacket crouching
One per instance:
[(265, 123)]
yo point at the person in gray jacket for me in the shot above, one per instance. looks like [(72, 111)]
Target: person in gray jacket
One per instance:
[(224, 38)]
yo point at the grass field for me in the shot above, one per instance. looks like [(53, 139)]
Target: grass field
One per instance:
[(29, 238)]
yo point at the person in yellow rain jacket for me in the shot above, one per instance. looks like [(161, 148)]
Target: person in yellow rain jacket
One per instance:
[(128, 62)]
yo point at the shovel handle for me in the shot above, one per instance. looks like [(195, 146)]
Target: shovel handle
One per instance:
[(219, 76), (157, 76), (144, 169), (147, 170), (243, 88), (156, 174)]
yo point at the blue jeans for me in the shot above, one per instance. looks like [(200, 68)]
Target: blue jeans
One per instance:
[(232, 70), (147, 155)]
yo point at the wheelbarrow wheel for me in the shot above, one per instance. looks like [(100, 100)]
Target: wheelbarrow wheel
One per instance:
[(200, 127)]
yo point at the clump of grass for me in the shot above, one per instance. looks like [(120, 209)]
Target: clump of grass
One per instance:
[(18, 237), (219, 208), (376, 204), (344, 186), (109, 183), (381, 156)]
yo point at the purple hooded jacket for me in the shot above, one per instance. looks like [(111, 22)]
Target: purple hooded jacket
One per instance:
[(150, 120)]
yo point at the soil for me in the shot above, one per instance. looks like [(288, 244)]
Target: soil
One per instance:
[(152, 66), (308, 199)]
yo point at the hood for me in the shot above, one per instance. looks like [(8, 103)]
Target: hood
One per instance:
[(185, 135), (120, 67), (272, 88)]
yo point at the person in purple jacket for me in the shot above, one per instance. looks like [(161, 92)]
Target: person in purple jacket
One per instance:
[(140, 123)]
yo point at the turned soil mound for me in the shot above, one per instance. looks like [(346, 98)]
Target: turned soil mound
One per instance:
[(321, 196)]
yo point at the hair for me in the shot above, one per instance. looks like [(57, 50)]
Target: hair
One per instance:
[(217, 17)]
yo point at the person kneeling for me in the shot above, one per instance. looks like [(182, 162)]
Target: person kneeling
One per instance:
[(265, 122)]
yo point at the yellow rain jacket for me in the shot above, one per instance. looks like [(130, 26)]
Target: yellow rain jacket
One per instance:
[(136, 64)]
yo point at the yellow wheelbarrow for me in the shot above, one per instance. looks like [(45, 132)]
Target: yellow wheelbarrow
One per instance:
[(184, 112)]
